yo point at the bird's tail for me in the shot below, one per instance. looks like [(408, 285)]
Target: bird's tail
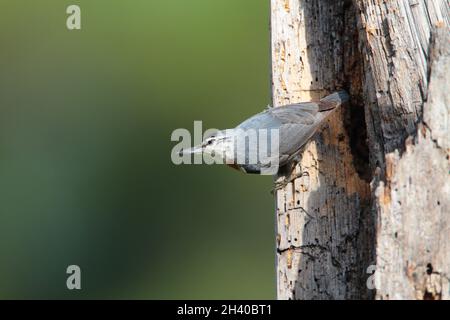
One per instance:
[(333, 100)]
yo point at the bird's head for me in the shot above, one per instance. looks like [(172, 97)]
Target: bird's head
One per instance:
[(219, 145)]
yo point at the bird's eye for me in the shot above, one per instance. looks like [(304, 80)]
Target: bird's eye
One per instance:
[(209, 142)]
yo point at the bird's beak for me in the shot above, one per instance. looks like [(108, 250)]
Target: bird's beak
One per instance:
[(193, 150)]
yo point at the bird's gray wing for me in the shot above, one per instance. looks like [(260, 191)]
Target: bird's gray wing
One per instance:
[(299, 113), (296, 124), (299, 122)]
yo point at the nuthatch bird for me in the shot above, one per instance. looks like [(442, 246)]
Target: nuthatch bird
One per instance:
[(295, 124)]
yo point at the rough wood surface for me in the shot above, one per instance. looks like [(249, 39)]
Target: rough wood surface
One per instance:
[(352, 209), (410, 183), (394, 40), (413, 251), (322, 219)]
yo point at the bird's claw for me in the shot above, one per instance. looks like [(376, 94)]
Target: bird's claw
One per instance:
[(283, 181)]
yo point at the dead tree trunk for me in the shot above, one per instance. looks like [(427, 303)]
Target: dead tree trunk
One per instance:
[(408, 101), (364, 201)]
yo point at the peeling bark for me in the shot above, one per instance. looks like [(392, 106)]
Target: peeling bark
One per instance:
[(413, 251), (394, 41)]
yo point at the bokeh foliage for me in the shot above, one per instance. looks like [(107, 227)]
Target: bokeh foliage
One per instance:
[(85, 171)]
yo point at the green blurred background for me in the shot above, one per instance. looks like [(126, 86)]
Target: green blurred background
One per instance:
[(86, 176)]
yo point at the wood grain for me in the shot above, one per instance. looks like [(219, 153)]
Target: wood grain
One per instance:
[(374, 182)]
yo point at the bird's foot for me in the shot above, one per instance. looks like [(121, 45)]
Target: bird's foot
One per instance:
[(282, 181)]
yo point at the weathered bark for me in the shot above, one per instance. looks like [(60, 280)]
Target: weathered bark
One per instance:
[(413, 250), (394, 41), (324, 225), (409, 188), (360, 203)]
